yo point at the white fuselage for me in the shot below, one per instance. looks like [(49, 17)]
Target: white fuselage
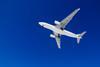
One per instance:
[(57, 30)]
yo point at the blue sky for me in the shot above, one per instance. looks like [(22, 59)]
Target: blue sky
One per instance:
[(23, 43)]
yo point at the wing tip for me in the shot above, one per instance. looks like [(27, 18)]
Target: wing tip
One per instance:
[(78, 9), (59, 47)]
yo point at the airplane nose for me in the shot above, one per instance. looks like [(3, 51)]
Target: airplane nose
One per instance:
[(41, 23)]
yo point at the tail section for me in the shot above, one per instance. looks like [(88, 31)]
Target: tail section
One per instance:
[(80, 36)]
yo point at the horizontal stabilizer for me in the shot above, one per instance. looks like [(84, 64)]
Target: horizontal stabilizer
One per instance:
[(80, 36)]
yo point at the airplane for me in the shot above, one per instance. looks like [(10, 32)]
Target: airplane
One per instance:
[(59, 28)]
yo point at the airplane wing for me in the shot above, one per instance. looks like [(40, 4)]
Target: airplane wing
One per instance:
[(66, 20), (57, 38)]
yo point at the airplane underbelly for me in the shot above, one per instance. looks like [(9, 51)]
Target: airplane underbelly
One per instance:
[(58, 31), (62, 32), (54, 29), (70, 34)]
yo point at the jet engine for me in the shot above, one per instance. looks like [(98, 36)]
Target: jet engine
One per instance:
[(57, 22), (52, 36)]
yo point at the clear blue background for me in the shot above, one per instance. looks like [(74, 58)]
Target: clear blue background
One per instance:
[(23, 43)]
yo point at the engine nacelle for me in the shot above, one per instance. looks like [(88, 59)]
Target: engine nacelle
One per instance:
[(57, 22), (52, 36)]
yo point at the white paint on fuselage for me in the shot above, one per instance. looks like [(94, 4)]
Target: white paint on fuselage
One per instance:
[(57, 30)]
